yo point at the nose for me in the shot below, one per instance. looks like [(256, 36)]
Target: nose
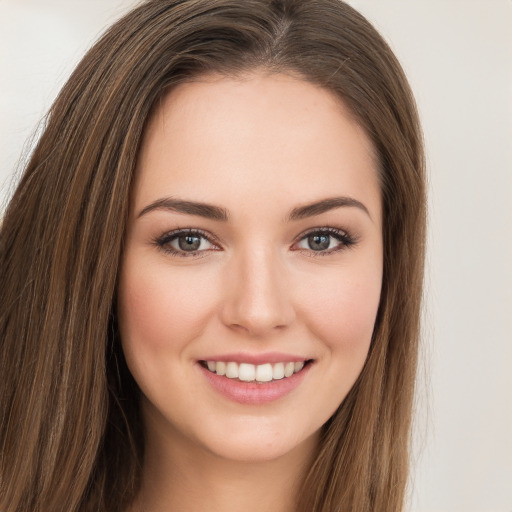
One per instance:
[(257, 298)]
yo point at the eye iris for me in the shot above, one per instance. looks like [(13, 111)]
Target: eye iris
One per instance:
[(318, 242), (189, 242)]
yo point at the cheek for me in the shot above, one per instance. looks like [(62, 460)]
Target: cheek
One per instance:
[(342, 311), (160, 309)]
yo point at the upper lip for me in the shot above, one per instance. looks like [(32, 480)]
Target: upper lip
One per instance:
[(266, 357)]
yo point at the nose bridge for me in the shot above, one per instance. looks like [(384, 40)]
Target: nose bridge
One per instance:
[(258, 300)]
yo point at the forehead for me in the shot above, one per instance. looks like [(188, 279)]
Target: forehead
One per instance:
[(229, 141)]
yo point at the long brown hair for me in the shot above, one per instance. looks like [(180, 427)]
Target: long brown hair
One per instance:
[(70, 429)]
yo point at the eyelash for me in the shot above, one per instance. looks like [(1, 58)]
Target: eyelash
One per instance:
[(340, 235), (163, 242)]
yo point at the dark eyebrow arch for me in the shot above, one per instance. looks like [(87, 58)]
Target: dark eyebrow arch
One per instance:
[(217, 213), (309, 210), (189, 207)]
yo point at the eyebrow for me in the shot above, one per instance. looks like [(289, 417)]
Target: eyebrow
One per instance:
[(318, 207), (189, 207), (213, 212)]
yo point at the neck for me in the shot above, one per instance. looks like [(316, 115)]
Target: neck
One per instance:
[(183, 476)]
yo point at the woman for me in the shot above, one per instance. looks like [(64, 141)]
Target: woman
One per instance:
[(211, 269)]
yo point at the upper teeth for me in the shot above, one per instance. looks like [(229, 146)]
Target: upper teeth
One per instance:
[(250, 372)]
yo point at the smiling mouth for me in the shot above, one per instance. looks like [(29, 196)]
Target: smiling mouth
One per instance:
[(259, 374)]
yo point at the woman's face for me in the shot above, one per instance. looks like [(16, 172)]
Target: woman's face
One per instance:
[(254, 248)]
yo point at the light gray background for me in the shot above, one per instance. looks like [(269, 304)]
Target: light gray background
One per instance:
[(458, 56)]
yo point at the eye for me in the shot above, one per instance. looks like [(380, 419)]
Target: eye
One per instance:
[(185, 242), (325, 240)]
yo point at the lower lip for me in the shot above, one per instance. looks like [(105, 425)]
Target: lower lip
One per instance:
[(251, 393)]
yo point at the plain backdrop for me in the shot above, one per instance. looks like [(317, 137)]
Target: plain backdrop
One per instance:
[(458, 56)]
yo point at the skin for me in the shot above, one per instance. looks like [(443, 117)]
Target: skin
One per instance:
[(259, 147)]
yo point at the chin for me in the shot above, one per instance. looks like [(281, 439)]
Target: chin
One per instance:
[(255, 437), (260, 446)]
